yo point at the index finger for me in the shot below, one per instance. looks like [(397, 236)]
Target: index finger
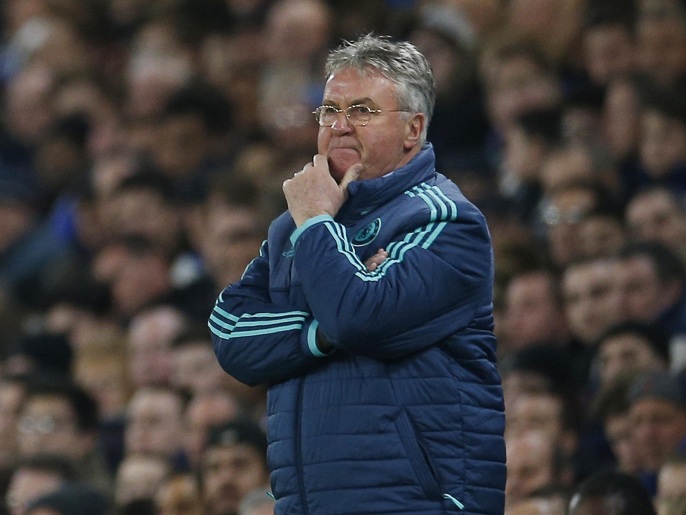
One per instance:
[(320, 160)]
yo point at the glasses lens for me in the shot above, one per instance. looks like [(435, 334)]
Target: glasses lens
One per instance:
[(359, 114), (326, 115)]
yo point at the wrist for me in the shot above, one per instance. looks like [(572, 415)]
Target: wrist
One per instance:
[(323, 344)]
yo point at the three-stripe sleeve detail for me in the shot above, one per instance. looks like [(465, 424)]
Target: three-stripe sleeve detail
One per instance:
[(225, 325)]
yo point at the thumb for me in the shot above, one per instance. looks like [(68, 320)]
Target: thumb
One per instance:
[(351, 175)]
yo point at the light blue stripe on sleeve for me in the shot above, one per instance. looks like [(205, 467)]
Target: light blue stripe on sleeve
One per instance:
[(309, 223), (312, 340)]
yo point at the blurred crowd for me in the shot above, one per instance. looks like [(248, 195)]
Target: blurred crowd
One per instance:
[(143, 144)]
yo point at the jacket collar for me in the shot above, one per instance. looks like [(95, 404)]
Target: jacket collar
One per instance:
[(369, 194)]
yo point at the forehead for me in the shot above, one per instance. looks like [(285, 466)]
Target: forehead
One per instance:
[(229, 453), (349, 86), (646, 204), (624, 341), (582, 275), (44, 403)]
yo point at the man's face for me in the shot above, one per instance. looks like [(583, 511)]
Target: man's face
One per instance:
[(48, 424), (154, 423), (539, 412), (532, 313), (618, 432), (658, 429), (529, 465), (387, 142), (590, 299), (624, 352), (656, 215), (642, 292), (229, 473)]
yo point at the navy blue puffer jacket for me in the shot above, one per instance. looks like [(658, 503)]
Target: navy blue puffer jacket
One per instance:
[(406, 415)]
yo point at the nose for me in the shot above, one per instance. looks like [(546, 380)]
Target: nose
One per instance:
[(342, 124)]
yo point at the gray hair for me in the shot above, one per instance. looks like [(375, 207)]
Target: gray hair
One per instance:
[(400, 62)]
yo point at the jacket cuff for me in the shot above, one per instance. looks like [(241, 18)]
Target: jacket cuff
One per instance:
[(311, 341), (309, 223)]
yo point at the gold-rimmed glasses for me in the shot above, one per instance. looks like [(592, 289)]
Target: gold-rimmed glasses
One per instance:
[(358, 115)]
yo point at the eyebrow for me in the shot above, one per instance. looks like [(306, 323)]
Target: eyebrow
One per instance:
[(357, 101)]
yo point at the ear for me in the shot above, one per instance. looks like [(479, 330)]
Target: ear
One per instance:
[(413, 130)]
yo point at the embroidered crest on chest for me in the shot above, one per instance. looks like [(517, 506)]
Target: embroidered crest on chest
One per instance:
[(368, 234)]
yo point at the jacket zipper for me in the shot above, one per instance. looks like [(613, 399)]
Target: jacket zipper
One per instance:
[(298, 449)]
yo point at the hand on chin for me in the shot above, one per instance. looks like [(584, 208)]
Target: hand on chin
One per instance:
[(340, 160)]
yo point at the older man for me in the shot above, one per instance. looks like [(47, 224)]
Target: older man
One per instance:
[(384, 395)]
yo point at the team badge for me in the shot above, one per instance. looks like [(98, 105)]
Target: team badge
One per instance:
[(368, 234)]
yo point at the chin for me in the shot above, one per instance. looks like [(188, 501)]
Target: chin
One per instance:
[(337, 168), (336, 174)]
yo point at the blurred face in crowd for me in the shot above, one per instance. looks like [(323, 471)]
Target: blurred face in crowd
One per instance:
[(150, 335), (387, 142), (656, 215), (146, 213), (515, 85), (590, 297), (663, 143), (617, 430), (661, 46), (48, 424), (563, 215), (139, 476), (539, 411), (643, 296), (626, 352), (608, 52), (195, 367), (205, 410), (600, 235), (529, 465), (182, 144), (231, 239), (154, 422), (564, 167), (533, 313), (229, 473), (658, 427)]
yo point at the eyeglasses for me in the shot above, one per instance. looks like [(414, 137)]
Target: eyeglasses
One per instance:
[(358, 115), (43, 425), (552, 215)]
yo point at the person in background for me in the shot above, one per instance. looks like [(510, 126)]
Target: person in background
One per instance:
[(671, 485), (658, 213), (610, 409), (533, 462), (631, 347), (59, 416), (533, 312), (179, 494), (657, 412), (36, 476), (233, 464), (257, 503), (611, 493), (139, 476), (71, 499), (154, 423), (369, 311)]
